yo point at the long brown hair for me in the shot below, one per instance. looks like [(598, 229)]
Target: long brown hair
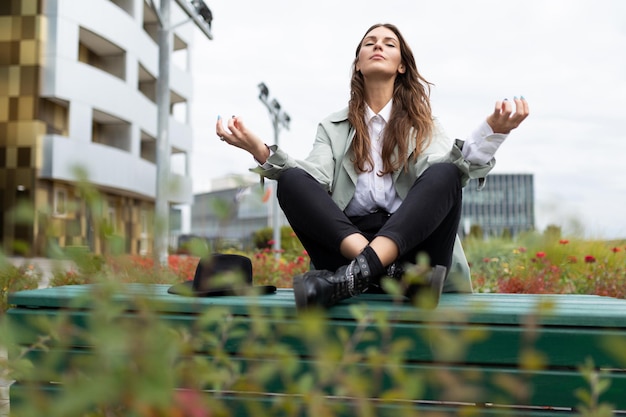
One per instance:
[(411, 109)]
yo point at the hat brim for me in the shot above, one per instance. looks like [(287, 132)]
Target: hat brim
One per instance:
[(186, 289)]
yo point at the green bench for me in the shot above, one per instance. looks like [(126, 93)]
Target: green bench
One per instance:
[(476, 354)]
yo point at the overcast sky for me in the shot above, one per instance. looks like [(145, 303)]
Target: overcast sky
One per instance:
[(567, 57)]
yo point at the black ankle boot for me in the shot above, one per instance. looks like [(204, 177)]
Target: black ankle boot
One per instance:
[(395, 271), (426, 293), (324, 288)]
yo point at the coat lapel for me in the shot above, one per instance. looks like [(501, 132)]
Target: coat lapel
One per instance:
[(348, 157)]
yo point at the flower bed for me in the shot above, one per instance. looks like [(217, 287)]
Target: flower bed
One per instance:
[(561, 266), (533, 265)]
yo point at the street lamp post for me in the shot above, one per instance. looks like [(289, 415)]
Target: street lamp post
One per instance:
[(161, 200), (198, 12), (279, 119)]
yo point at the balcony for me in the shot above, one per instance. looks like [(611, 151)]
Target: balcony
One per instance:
[(109, 168)]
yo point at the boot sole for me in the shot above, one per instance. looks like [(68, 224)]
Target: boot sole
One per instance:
[(437, 278), (299, 293), (428, 294)]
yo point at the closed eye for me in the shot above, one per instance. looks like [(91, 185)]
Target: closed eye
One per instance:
[(390, 42)]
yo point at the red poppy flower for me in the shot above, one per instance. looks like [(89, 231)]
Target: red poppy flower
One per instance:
[(590, 259)]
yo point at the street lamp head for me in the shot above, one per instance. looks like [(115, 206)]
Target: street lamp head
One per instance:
[(203, 10), (263, 91), (278, 117)]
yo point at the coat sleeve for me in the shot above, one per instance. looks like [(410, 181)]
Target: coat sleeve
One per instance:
[(459, 277), (443, 149), (319, 163)]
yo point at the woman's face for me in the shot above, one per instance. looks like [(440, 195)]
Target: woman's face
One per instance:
[(380, 54)]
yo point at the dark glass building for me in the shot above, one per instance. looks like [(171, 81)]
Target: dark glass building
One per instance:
[(504, 207)]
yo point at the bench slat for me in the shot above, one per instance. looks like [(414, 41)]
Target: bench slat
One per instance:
[(565, 329), (250, 404), (557, 309), (496, 344), (466, 384)]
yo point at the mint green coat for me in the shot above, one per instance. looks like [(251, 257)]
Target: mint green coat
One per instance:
[(330, 163)]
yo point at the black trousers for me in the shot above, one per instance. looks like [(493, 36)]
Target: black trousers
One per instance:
[(426, 222)]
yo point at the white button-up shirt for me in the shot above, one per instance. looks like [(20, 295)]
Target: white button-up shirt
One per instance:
[(375, 192)]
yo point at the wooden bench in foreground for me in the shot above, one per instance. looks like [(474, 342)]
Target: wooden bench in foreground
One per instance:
[(476, 354)]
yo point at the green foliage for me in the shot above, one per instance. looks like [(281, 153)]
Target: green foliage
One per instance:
[(552, 232), (262, 238), (289, 242), (126, 373), (476, 231), (195, 246), (590, 398), (150, 367), (16, 278)]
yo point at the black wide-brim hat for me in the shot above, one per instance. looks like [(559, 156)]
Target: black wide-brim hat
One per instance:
[(221, 274)]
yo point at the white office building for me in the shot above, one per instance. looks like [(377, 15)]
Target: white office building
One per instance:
[(78, 97)]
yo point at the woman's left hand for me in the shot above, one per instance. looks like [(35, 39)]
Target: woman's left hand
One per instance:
[(504, 118)]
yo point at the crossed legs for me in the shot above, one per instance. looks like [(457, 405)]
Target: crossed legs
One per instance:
[(427, 221)]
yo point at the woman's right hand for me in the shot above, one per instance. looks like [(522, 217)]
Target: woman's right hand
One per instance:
[(238, 135)]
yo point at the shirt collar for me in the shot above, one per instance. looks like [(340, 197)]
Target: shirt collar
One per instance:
[(385, 112)]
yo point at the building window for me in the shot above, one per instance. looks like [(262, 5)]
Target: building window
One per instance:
[(180, 53), (146, 83), (143, 233), (143, 216), (55, 115), (126, 5), (178, 162), (112, 219), (150, 21), (100, 53), (60, 202), (110, 131), (178, 107), (148, 147), (23, 157)]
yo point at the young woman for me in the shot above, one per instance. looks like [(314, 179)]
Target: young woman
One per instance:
[(383, 182)]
